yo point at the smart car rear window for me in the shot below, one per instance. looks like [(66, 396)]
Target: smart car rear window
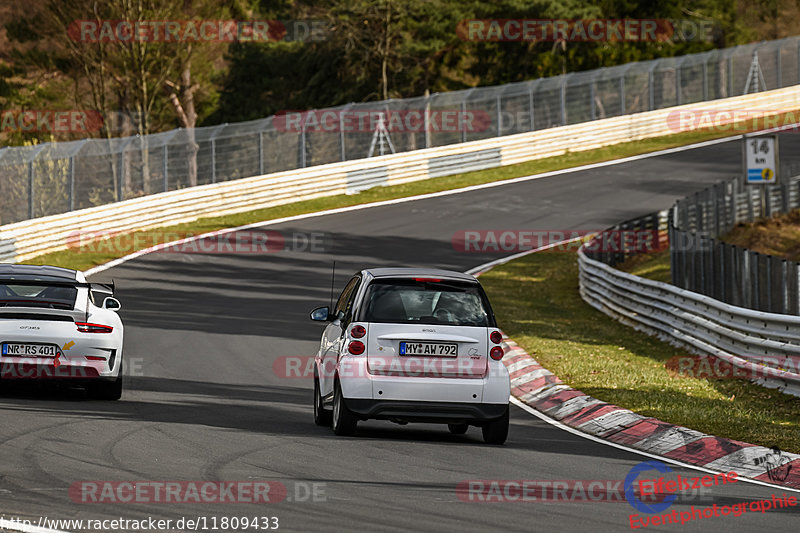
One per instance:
[(426, 302)]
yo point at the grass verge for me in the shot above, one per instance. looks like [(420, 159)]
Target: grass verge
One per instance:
[(97, 253), (655, 266), (537, 303)]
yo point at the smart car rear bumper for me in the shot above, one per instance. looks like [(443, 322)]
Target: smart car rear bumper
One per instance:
[(436, 412)]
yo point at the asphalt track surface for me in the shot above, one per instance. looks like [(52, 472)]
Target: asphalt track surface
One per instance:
[(203, 402)]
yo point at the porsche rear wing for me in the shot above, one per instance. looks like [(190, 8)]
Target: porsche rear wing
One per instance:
[(108, 288), (102, 288)]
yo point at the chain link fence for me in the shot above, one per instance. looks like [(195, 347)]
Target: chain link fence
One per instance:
[(701, 263), (49, 179)]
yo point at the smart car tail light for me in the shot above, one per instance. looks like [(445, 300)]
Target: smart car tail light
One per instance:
[(496, 353), (356, 347), (496, 337), (358, 331), (88, 327)]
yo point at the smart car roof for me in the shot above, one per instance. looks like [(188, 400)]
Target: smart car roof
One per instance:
[(410, 272)]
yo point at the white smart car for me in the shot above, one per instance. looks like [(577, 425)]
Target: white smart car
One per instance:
[(56, 325), (411, 345)]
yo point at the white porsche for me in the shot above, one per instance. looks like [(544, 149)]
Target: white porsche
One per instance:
[(411, 345), (56, 325)]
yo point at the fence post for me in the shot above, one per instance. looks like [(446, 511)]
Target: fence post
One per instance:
[(746, 283), (427, 119), (722, 253), (563, 100), (622, 94), (530, 104), (796, 292), (785, 285), (779, 74), (769, 284), (71, 172), (592, 104), (464, 113), (705, 80), (31, 204), (730, 74), (755, 296), (213, 160), (701, 257), (303, 147), (678, 84), (165, 168), (120, 175), (651, 90), (342, 154), (261, 152)]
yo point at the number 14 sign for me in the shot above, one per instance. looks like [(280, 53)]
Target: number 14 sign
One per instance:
[(761, 159)]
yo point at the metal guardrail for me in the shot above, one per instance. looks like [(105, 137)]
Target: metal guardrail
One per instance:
[(701, 263), (742, 337), (23, 240), (765, 346), (54, 178)]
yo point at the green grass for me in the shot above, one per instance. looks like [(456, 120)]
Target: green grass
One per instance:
[(98, 254), (653, 266), (537, 303)]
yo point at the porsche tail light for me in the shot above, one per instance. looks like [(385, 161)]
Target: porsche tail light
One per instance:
[(88, 327), (496, 353), (356, 347)]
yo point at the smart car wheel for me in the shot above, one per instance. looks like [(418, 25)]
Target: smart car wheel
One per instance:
[(344, 422), (322, 417), (496, 431)]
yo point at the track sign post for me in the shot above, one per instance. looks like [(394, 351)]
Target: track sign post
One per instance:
[(760, 159)]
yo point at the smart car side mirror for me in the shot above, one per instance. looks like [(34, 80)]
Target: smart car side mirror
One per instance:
[(112, 304), (321, 314)]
